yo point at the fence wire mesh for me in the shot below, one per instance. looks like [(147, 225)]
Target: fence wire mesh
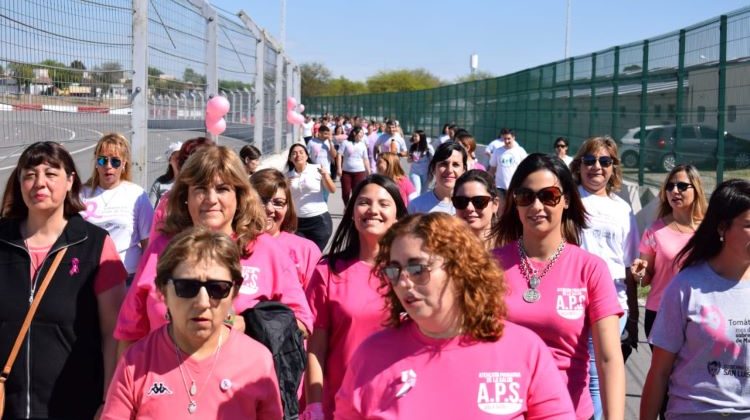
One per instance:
[(67, 74), (683, 97)]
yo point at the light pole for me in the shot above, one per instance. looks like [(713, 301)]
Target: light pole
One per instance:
[(567, 29)]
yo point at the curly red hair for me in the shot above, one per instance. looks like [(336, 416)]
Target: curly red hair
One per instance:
[(477, 279)]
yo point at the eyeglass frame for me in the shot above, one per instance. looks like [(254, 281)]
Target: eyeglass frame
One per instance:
[(485, 201), (203, 284), (115, 162), (428, 267), (687, 186), (604, 161), (537, 197)]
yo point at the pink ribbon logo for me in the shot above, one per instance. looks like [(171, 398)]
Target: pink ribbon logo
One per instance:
[(90, 211), (74, 266)]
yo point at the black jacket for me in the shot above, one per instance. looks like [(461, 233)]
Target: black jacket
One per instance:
[(59, 369)]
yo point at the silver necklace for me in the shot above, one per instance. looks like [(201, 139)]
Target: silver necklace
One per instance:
[(531, 274), (193, 390)]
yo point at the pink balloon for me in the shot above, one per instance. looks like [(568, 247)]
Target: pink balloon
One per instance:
[(291, 103), (218, 105), (301, 108), (294, 118), (217, 128), (212, 119)]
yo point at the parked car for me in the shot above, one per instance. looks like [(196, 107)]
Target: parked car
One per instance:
[(698, 146), (629, 144)]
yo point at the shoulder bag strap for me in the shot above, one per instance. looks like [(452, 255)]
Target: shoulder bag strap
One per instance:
[(30, 315)]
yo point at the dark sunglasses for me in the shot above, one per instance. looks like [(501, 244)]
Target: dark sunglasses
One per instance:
[(681, 186), (393, 272), (549, 196), (479, 201), (604, 161), (560, 146), (189, 288), (103, 160)]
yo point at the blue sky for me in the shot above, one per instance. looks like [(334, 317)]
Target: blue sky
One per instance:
[(356, 38)]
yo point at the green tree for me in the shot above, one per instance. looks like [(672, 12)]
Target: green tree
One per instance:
[(232, 85), (473, 77), (23, 73), (108, 73), (344, 86), (402, 81), (315, 78), (59, 73), (190, 76)]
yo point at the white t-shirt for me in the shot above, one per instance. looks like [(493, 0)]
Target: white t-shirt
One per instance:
[(612, 235), (307, 128), (567, 159), (382, 145), (420, 163), (353, 156), (307, 191), (506, 161), (494, 145), (126, 213), (319, 151), (428, 203)]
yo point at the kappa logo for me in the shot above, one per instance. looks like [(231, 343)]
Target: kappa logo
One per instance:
[(159, 388), (570, 302), (249, 280), (499, 393)]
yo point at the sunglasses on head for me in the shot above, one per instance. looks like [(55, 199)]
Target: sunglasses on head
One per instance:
[(189, 288), (393, 272), (479, 201), (681, 186), (103, 160), (604, 161), (549, 196)]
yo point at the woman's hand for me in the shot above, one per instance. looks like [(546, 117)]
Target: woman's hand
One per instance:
[(638, 269), (313, 411)]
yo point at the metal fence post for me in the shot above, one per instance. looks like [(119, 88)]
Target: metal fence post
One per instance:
[(139, 104), (292, 133), (644, 113), (260, 49), (279, 85), (593, 109), (680, 105), (570, 99), (721, 107), (615, 92)]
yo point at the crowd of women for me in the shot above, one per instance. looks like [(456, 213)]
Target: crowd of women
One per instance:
[(440, 294)]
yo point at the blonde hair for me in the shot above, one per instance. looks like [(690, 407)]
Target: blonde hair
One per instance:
[(122, 146), (698, 207), (202, 168), (394, 170), (591, 146)]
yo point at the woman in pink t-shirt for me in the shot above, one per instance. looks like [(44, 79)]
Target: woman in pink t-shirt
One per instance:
[(558, 290), (389, 164), (213, 191), (682, 204), (196, 365), (467, 141), (343, 292), (281, 221), (449, 352)]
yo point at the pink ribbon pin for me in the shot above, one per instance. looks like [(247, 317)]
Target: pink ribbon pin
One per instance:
[(74, 266), (408, 380)]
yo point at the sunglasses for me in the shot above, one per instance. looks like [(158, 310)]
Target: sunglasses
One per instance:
[(479, 201), (604, 161), (560, 146), (393, 272), (103, 160), (189, 288), (681, 186), (278, 203), (549, 196)]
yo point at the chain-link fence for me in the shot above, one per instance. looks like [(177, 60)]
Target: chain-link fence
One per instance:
[(680, 97), (71, 70)]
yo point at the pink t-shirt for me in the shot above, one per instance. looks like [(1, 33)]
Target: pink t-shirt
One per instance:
[(576, 292), (348, 306), (664, 244), (304, 254), (111, 271), (268, 275), (160, 215), (148, 383), (451, 379), (406, 188)]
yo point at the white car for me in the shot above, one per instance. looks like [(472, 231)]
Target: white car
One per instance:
[(629, 145)]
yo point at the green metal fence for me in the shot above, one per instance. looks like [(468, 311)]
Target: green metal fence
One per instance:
[(668, 99)]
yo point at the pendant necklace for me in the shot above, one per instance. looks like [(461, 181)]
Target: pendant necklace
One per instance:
[(531, 274), (193, 390)]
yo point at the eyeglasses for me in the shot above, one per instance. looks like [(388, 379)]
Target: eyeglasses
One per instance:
[(560, 146), (604, 161), (681, 186), (189, 288), (278, 203), (103, 160), (479, 201), (414, 270), (549, 196)]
